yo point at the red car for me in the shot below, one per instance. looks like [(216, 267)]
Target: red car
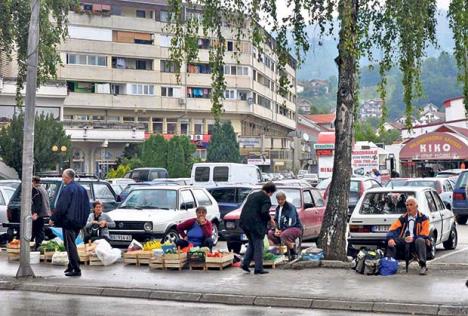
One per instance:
[(310, 208)]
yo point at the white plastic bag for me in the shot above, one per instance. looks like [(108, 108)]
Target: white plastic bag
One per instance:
[(60, 258), (106, 253)]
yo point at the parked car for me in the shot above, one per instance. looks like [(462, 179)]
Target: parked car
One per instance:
[(323, 185), (97, 190), (449, 173), (396, 182), (177, 181), (310, 208), (121, 181), (147, 174), (126, 191), (6, 192), (154, 211), (292, 182), (459, 200), (210, 174), (312, 178), (10, 183), (379, 208), (443, 186), (357, 187), (230, 197)]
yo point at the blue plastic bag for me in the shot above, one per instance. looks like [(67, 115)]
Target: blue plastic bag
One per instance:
[(58, 232), (388, 266)]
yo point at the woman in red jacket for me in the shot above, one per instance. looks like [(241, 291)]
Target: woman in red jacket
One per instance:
[(196, 231)]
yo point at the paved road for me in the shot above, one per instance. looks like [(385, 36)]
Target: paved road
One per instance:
[(30, 303)]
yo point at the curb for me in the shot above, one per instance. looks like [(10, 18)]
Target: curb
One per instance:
[(246, 300)]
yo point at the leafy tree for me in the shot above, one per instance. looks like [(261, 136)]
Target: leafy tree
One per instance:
[(119, 172), (154, 151), (367, 131), (48, 132), (189, 150), (14, 26), (223, 145)]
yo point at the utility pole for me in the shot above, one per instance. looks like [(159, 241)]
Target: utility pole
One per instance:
[(25, 269)]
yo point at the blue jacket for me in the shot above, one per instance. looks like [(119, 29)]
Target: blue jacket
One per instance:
[(72, 208), (289, 217)]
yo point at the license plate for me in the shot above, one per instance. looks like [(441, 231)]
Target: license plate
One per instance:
[(121, 237), (243, 237), (380, 228)]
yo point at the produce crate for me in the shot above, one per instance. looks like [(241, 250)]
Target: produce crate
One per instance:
[(144, 257), (175, 261), (48, 256), (196, 260), (272, 263), (131, 257), (13, 254), (220, 262), (156, 263), (95, 261)]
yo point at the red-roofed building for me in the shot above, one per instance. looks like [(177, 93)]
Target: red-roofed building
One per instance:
[(326, 121)]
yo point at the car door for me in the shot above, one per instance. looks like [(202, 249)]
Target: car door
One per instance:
[(202, 199), (104, 193), (187, 205), (319, 208), (3, 213), (446, 216), (310, 215), (447, 192), (434, 215)]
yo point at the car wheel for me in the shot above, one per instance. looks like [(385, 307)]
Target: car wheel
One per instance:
[(171, 236), (215, 233), (462, 219), (234, 246), (452, 242), (432, 248)]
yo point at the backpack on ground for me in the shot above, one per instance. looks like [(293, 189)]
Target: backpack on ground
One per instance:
[(388, 266), (360, 261), (367, 261)]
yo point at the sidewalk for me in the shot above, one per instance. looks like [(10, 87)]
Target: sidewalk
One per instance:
[(438, 293)]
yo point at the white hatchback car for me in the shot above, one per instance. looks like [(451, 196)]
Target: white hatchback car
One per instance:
[(151, 212), (378, 208)]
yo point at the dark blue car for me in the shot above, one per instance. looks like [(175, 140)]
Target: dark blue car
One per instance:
[(230, 198), (459, 199)]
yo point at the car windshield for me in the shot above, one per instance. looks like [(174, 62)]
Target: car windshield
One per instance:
[(396, 183), (323, 184), (292, 195), (382, 203), (151, 199), (421, 183)]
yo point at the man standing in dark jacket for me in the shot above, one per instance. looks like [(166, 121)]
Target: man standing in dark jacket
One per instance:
[(71, 213), (38, 212), (254, 220)]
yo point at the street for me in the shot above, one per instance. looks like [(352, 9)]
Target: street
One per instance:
[(30, 303)]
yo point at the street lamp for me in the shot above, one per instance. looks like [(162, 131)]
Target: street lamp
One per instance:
[(60, 150)]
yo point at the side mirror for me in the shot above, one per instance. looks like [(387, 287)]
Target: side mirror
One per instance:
[(447, 205), (186, 206), (118, 199)]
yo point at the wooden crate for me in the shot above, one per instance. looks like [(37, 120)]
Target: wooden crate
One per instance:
[(144, 257), (48, 256), (220, 262), (131, 257), (175, 261), (274, 263), (156, 263), (95, 261)]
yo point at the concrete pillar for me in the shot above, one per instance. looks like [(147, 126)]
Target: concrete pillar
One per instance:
[(150, 126), (164, 129)]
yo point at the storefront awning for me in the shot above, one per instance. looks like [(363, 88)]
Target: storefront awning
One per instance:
[(436, 146)]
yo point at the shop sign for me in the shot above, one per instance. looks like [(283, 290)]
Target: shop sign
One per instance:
[(324, 146), (252, 142), (259, 162), (325, 164), (363, 161), (435, 146), (324, 152)]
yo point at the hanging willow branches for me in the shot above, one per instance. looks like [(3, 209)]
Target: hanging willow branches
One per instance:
[(458, 20)]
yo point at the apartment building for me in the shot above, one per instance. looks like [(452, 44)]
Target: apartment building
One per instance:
[(121, 85)]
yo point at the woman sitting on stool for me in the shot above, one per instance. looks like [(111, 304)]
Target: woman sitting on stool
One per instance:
[(196, 231)]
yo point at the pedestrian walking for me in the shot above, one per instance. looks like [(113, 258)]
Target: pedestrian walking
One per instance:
[(39, 209), (254, 220), (71, 213)]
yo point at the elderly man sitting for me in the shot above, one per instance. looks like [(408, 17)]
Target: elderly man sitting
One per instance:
[(287, 226), (410, 230)]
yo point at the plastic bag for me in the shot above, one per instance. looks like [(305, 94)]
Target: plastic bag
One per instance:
[(106, 253), (60, 258), (59, 233), (388, 266), (135, 245), (266, 244)]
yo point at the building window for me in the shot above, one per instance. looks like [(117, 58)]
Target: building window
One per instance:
[(140, 13), (263, 102), (203, 43), (203, 93), (184, 127), (165, 41), (242, 95), (230, 46), (234, 70), (198, 127), (210, 129), (157, 125), (113, 118), (142, 89), (145, 122), (230, 94), (198, 68), (129, 119), (164, 16), (132, 37), (91, 60), (167, 66), (171, 126), (167, 91)]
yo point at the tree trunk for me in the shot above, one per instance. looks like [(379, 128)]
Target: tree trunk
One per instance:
[(25, 269), (332, 237)]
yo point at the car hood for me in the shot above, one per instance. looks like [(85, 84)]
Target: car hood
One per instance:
[(142, 215)]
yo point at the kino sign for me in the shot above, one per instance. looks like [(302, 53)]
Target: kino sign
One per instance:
[(436, 146)]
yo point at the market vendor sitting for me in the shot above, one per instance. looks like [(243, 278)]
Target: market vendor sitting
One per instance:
[(98, 224), (196, 231), (287, 226)]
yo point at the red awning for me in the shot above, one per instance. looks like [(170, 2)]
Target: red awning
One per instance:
[(326, 138)]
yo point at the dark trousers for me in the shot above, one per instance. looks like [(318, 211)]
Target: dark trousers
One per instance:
[(207, 242), (38, 231), (69, 237), (418, 246), (254, 251)]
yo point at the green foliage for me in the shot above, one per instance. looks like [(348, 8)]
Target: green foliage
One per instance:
[(14, 26), (458, 20), (367, 131), (154, 152), (119, 172), (223, 146), (48, 132)]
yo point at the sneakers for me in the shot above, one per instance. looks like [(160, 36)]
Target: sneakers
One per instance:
[(246, 269), (261, 272), (73, 273), (423, 270)]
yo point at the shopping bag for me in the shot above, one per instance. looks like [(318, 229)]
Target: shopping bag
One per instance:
[(106, 253)]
